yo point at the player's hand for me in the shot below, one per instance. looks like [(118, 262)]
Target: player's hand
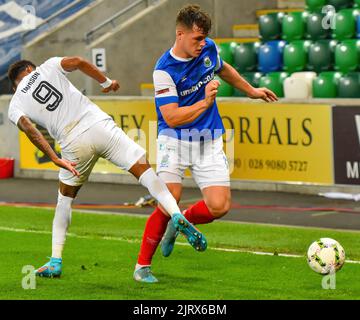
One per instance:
[(68, 165), (211, 92), (113, 87), (264, 94)]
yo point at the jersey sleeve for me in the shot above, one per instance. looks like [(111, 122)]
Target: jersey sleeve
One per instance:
[(219, 61), (14, 113), (165, 88), (55, 62)]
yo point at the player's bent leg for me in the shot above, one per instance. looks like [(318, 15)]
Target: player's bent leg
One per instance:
[(217, 200), (61, 222)]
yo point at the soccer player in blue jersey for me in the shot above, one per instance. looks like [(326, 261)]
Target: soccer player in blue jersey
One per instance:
[(190, 130)]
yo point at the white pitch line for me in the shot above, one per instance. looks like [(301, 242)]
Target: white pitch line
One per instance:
[(286, 255)]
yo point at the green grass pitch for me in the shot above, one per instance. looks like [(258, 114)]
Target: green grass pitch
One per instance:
[(101, 252)]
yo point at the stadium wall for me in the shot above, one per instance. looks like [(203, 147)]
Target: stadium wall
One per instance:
[(293, 146), (67, 37), (133, 47), (140, 41)]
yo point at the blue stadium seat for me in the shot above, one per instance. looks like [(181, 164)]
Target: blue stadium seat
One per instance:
[(10, 45), (270, 56)]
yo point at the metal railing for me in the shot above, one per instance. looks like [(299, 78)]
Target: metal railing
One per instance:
[(50, 21), (90, 35)]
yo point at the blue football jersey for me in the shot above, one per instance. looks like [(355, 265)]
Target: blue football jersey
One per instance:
[(183, 81)]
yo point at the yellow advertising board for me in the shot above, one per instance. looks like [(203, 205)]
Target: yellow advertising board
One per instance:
[(274, 142), (279, 142)]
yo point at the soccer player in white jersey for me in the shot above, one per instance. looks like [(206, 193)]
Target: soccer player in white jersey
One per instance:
[(43, 95), (190, 128)]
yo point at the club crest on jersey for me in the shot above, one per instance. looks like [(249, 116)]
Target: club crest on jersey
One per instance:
[(207, 62)]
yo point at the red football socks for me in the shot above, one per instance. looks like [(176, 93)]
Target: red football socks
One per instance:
[(199, 213), (154, 230)]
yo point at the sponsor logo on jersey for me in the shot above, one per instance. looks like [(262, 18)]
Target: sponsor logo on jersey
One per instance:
[(196, 87)]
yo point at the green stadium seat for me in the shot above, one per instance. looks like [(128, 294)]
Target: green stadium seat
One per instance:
[(357, 4), (314, 28), (321, 55), (253, 78), (295, 55), (274, 81), (293, 26), (315, 5), (349, 86), (270, 26), (345, 24), (347, 55), (246, 56), (226, 51), (325, 85), (225, 89), (341, 4)]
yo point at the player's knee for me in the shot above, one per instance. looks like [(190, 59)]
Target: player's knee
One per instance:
[(219, 207)]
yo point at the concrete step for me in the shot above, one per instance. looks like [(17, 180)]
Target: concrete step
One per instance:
[(267, 11), (287, 4), (147, 89), (246, 31), (238, 40)]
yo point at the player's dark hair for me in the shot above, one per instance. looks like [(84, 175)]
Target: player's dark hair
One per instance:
[(191, 15), (16, 68)]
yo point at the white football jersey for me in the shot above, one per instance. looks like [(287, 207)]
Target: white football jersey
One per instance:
[(50, 100)]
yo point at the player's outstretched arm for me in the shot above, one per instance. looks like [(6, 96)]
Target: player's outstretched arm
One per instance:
[(231, 76), (175, 116), (38, 140), (70, 64)]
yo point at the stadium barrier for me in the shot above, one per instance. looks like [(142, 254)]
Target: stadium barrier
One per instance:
[(287, 146)]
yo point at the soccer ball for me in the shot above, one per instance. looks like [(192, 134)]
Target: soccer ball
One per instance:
[(326, 256)]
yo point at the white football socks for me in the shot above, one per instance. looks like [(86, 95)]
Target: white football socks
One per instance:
[(61, 223), (159, 191)]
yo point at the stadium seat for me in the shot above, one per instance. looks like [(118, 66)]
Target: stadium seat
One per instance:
[(295, 55), (293, 26), (245, 56), (270, 56), (325, 85), (295, 89), (299, 85), (225, 89), (315, 5), (345, 24), (349, 86), (357, 4), (314, 28), (226, 51), (321, 55), (274, 81), (347, 55), (341, 4), (358, 27), (270, 26), (253, 78)]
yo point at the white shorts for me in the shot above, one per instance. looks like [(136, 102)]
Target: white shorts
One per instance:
[(104, 139), (206, 160)]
